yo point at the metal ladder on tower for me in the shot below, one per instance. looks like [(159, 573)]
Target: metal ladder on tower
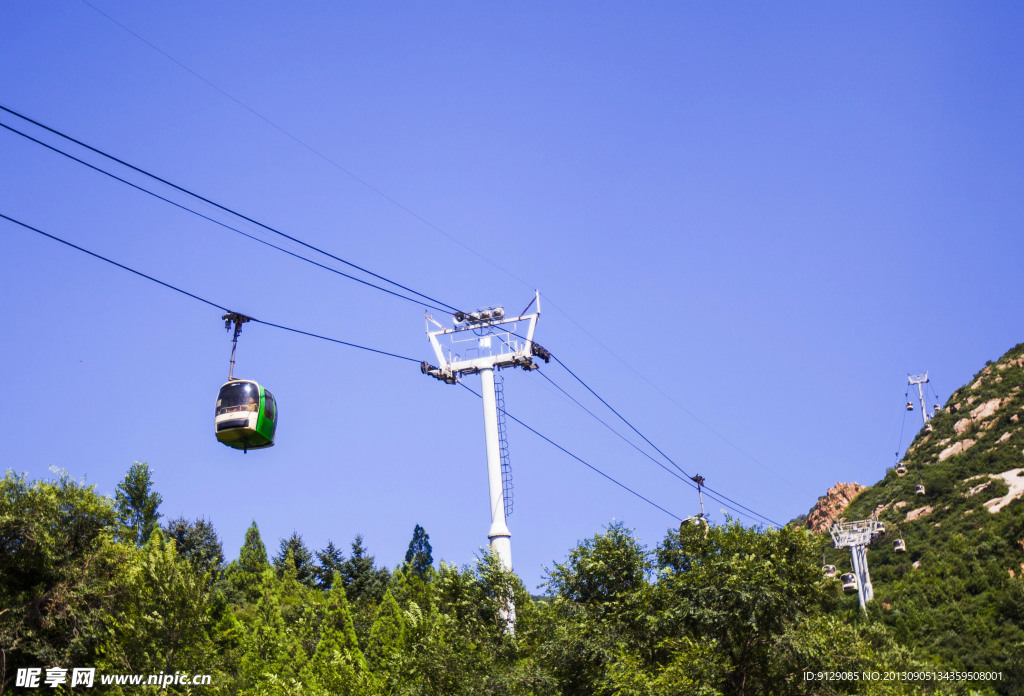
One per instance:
[(506, 465)]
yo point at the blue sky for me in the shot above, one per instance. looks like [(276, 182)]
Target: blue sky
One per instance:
[(747, 223)]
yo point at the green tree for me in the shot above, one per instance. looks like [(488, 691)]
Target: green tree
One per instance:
[(601, 569), (329, 562), (302, 557), (58, 572), (361, 578), (271, 653), (163, 619), (744, 589), (338, 665), (137, 503), (601, 610), (419, 558), (246, 574), (198, 542), (387, 640)]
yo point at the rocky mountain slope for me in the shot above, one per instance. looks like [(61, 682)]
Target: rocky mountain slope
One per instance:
[(831, 505), (957, 593)]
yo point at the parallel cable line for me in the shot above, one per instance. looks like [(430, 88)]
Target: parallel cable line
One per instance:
[(656, 448), (579, 459), (396, 284), (613, 430), (687, 481), (197, 297), (321, 337), (312, 149), (426, 222), (218, 222), (225, 208)]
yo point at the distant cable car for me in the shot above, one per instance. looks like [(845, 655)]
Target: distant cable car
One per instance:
[(899, 546), (910, 406), (695, 521), (246, 415), (849, 581), (698, 519), (901, 469), (919, 489), (829, 571)]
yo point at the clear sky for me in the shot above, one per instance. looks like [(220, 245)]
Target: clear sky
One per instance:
[(748, 222)]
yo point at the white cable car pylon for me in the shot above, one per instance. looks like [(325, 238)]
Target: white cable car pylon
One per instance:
[(482, 342), (856, 536), (918, 380)]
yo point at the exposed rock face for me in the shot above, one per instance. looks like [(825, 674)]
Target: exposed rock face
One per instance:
[(919, 512), (986, 409), (1014, 479), (831, 505), (955, 448)]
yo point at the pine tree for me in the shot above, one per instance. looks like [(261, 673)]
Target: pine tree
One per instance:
[(387, 639), (329, 562), (137, 503), (271, 654), (246, 574), (360, 577), (301, 556), (338, 666), (419, 557), (253, 556), (198, 542)]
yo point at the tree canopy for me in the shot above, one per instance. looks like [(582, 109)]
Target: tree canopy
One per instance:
[(729, 610)]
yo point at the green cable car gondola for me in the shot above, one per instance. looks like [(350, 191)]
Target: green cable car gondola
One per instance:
[(246, 415)]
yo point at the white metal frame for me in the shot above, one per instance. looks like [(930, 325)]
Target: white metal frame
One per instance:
[(919, 380), (482, 342), (857, 536), (467, 354)]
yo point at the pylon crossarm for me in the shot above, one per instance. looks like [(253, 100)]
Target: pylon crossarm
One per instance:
[(484, 339)]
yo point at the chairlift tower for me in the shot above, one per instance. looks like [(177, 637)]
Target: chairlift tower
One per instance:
[(857, 536), (919, 380), (482, 342)]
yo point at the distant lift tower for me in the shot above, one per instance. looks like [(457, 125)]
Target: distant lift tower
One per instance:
[(484, 341), (857, 536), (919, 380)]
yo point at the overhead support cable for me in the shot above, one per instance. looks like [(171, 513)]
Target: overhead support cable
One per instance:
[(313, 335), (221, 224), (225, 208), (328, 254), (713, 494), (324, 338), (579, 459), (203, 299), (669, 397), (312, 149), (613, 430), (717, 495)]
